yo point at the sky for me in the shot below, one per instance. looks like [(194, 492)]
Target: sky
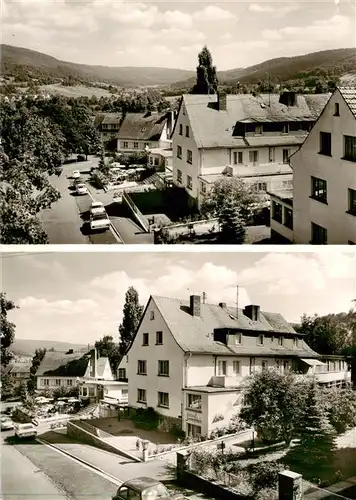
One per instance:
[(78, 297), (170, 34)]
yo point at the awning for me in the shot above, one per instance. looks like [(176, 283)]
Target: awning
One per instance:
[(312, 362)]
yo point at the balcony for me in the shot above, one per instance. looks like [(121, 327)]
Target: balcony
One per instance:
[(224, 381), (327, 377)]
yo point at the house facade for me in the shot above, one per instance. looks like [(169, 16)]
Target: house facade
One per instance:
[(324, 176), (61, 370), (243, 135), (189, 360), (141, 132), (18, 373), (108, 125)]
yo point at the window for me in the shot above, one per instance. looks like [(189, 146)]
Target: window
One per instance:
[(319, 234), (159, 338), (179, 151), (147, 144), (238, 338), (349, 148), (221, 367), (277, 212), (280, 341), (163, 399), (285, 365), (287, 184), (85, 391), (145, 338), (295, 342), (240, 157), (152, 315), (163, 368), (180, 129), (122, 373), (42, 382), (236, 367), (253, 156), (141, 396), (271, 154), (286, 154), (258, 129), (124, 392), (278, 365), (285, 128), (91, 391), (151, 160), (189, 156), (58, 381), (125, 144), (336, 109), (179, 176), (260, 340), (234, 157), (136, 145), (193, 430), (69, 382), (189, 182), (260, 187), (203, 187), (288, 217), (252, 365), (264, 366), (187, 131), (141, 367), (318, 189), (156, 161), (325, 143), (352, 201), (194, 401)]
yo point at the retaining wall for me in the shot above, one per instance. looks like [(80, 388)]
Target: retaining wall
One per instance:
[(141, 219)]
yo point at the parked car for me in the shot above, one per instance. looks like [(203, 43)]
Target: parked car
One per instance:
[(144, 488), (23, 431), (75, 174), (99, 221), (7, 425), (97, 207), (81, 189)]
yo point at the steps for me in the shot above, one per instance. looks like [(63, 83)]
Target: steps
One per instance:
[(90, 411)]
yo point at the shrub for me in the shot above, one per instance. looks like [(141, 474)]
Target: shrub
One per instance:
[(265, 475), (146, 418)]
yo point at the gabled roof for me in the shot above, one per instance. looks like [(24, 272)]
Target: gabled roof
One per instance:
[(101, 364), (349, 95), (213, 128), (195, 334), (17, 368), (63, 365), (143, 126)]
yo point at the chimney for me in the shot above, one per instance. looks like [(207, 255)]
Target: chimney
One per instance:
[(204, 298), (288, 98), (195, 305), (222, 305), (222, 101), (252, 312)]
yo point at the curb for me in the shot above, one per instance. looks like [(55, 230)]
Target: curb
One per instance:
[(115, 480)]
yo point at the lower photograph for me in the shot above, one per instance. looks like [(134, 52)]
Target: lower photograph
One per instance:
[(158, 375)]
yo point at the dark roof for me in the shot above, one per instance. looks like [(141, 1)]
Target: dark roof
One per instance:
[(143, 126), (63, 365), (17, 368), (349, 95), (195, 334), (214, 128), (101, 118), (141, 483)]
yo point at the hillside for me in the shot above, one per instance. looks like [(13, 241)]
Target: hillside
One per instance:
[(18, 60), (325, 63), (27, 347)]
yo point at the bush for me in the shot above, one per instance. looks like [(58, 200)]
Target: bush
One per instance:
[(265, 475), (146, 418), (177, 431), (99, 180)]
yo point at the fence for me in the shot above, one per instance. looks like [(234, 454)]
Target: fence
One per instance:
[(142, 220)]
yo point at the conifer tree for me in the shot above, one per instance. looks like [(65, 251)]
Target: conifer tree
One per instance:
[(207, 81), (131, 319), (231, 224)]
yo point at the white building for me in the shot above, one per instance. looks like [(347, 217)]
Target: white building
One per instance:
[(140, 132), (59, 369), (252, 135), (189, 359), (324, 177)]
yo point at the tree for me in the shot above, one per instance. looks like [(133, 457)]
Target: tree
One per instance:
[(273, 403), (237, 192), (107, 348), (132, 316), (24, 393), (340, 405), (7, 386), (7, 329), (313, 455), (36, 361), (231, 224), (207, 81)]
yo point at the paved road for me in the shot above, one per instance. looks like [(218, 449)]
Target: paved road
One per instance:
[(66, 222), (31, 471)]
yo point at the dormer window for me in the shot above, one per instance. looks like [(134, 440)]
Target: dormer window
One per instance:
[(285, 129), (260, 340), (238, 338), (280, 341), (258, 129)]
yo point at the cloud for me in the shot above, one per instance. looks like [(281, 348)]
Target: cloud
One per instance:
[(41, 306), (213, 13), (255, 7), (279, 10)]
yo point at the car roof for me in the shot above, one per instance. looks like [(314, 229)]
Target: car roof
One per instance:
[(141, 483)]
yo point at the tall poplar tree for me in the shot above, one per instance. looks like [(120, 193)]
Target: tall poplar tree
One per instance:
[(132, 315), (207, 81), (7, 329)]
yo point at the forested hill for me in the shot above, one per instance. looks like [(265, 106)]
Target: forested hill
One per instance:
[(24, 64)]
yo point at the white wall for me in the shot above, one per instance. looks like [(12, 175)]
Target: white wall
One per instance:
[(152, 354), (339, 174), (53, 382)]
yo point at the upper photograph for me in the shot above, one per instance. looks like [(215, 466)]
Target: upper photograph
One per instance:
[(178, 123)]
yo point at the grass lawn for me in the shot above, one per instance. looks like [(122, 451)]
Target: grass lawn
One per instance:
[(75, 91)]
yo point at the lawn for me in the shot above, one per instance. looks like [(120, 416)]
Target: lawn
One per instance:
[(75, 91)]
